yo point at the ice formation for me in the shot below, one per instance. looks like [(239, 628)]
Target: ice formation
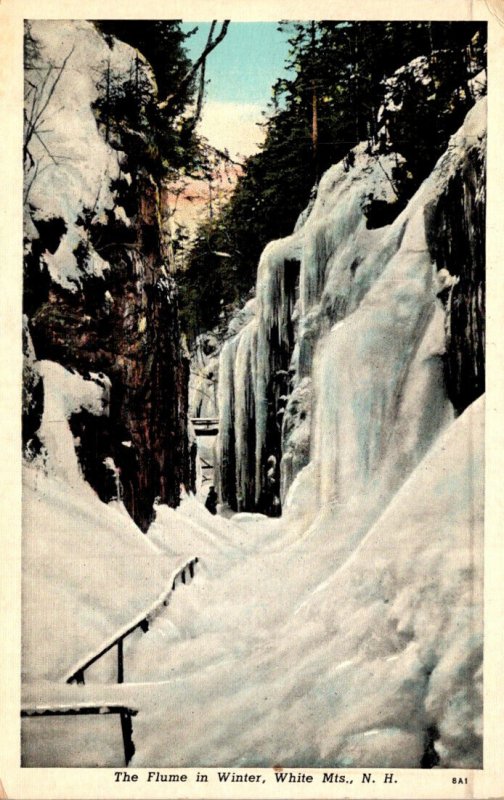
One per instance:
[(358, 311)]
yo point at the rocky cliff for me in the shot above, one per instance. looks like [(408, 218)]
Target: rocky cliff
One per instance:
[(98, 294)]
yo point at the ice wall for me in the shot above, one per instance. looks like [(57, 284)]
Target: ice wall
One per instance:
[(359, 319)]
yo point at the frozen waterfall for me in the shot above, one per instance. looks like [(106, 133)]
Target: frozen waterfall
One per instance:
[(350, 329)]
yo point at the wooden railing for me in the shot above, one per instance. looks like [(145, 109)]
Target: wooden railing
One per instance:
[(49, 705), (183, 576), (126, 712), (205, 426)]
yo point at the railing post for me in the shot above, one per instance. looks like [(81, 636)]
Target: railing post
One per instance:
[(127, 734), (77, 678), (120, 661)]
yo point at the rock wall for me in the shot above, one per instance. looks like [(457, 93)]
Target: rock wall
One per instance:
[(456, 237), (98, 294)]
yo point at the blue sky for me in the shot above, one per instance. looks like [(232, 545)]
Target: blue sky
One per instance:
[(240, 73)]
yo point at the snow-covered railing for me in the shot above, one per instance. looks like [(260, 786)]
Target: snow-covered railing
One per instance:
[(205, 426), (56, 699), (185, 574), (182, 575)]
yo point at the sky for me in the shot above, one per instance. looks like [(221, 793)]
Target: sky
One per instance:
[(240, 73)]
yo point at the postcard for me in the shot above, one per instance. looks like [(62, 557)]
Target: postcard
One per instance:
[(251, 400)]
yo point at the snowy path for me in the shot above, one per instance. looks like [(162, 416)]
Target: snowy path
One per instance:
[(326, 637), (277, 653), (311, 640)]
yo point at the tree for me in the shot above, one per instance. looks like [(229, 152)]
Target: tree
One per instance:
[(326, 105), (164, 132)]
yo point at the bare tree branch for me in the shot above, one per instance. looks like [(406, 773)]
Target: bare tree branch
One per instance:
[(210, 45), (39, 104), (201, 87), (37, 136)]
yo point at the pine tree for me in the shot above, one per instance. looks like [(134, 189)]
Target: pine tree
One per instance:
[(326, 105)]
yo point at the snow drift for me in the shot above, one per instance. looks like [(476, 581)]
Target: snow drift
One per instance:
[(377, 665), (89, 573)]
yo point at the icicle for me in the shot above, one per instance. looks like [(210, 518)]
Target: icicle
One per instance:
[(226, 438), (244, 393)]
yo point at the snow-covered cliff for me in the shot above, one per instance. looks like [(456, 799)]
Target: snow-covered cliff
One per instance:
[(365, 340), (98, 296)]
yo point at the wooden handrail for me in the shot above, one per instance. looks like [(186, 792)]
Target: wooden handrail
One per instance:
[(124, 711), (143, 624)]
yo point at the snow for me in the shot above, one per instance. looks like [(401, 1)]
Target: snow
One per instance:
[(244, 393), (75, 164), (296, 433), (348, 632), (89, 573), (307, 649), (278, 664), (478, 84), (67, 393), (225, 439), (204, 377)]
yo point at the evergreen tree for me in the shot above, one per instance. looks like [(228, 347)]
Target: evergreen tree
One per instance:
[(326, 105)]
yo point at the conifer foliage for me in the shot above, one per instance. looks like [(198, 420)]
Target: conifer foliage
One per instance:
[(128, 106), (328, 103)]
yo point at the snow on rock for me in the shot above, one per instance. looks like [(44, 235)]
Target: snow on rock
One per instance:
[(204, 376), (98, 294), (67, 393), (478, 84), (33, 390), (73, 165)]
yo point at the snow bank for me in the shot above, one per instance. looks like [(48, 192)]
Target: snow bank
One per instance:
[(88, 572), (260, 661), (311, 650), (372, 666)]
